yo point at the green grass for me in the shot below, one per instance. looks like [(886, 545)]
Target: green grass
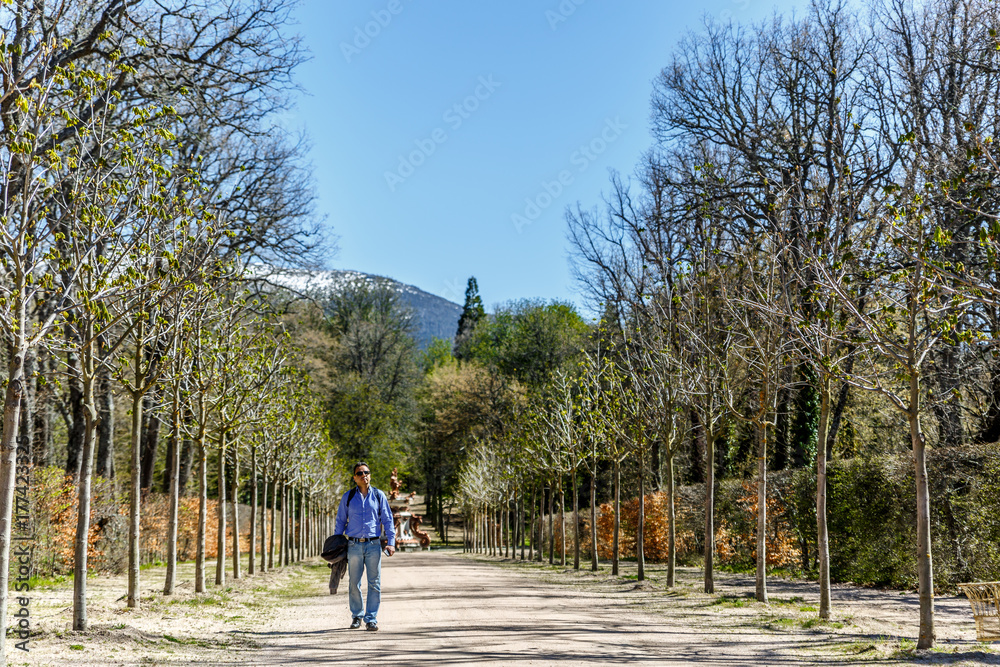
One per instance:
[(731, 601), (907, 649), (45, 582), (217, 598), (780, 623), (858, 647)]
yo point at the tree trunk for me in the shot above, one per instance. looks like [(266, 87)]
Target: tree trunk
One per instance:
[(8, 467), (822, 531), (552, 532), (616, 533), (26, 437), (165, 481), (761, 430), (251, 567), (274, 522), (640, 550), (491, 528), (593, 518), (520, 521), (174, 470), (237, 573), (41, 456), (442, 521), (187, 452), (576, 524), (540, 552), (303, 516), (562, 523), (106, 426), (76, 427), (284, 524), (925, 566), (82, 541), (292, 556), (134, 499), (150, 443), (671, 523), (656, 456), (508, 531), (199, 563), (220, 544), (709, 512), (134, 489), (531, 523)]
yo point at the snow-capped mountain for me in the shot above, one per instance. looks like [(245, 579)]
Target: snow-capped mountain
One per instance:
[(436, 317)]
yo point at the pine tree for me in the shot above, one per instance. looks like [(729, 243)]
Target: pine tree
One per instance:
[(472, 313)]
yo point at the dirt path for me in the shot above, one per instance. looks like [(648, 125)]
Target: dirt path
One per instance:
[(446, 609)]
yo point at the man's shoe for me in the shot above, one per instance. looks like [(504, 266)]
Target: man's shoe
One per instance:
[(372, 627), (356, 623)]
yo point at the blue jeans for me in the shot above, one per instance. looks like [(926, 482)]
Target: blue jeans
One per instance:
[(365, 556)]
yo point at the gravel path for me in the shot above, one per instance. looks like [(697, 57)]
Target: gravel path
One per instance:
[(446, 609)]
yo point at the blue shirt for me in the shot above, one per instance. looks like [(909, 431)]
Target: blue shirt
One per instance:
[(363, 516)]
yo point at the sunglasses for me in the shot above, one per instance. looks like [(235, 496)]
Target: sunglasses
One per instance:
[(362, 473)]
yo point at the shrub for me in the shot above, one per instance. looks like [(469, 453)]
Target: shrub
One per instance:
[(871, 516), (53, 503)]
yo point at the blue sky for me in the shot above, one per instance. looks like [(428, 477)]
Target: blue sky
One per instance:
[(449, 137)]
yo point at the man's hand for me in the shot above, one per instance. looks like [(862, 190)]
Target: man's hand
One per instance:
[(389, 550)]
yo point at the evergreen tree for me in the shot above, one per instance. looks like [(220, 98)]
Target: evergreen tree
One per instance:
[(472, 313)]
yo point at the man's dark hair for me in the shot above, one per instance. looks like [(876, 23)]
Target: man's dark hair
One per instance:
[(359, 463)]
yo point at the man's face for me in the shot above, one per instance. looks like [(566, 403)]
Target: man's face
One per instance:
[(363, 476)]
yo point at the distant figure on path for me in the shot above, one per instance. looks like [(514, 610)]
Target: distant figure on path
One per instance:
[(362, 515)]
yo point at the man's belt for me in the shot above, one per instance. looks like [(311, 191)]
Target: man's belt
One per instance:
[(362, 539)]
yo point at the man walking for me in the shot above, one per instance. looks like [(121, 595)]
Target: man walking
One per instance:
[(362, 514)]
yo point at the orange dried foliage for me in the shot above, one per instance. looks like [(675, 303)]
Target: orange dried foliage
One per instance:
[(53, 502), (733, 546), (655, 539)]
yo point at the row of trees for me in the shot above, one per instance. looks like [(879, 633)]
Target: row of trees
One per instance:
[(818, 217), (142, 173)]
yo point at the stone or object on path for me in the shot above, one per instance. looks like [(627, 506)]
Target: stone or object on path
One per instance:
[(985, 600), (406, 524)]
